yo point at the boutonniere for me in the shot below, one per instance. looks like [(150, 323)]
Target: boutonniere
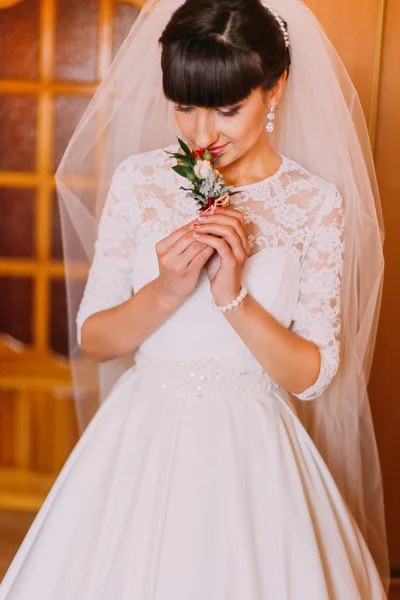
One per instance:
[(208, 188)]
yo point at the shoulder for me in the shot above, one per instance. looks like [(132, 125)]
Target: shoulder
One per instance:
[(142, 168), (138, 179), (122, 200), (317, 194)]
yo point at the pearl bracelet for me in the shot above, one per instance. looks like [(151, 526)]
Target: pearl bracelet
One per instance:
[(234, 303)]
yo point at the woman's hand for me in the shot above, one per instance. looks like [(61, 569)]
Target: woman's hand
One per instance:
[(180, 260), (224, 231)]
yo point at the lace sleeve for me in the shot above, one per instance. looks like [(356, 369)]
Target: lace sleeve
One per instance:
[(317, 314), (110, 277)]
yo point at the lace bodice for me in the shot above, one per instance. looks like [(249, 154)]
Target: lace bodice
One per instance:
[(295, 226)]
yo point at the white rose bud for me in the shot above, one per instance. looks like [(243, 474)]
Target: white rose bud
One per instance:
[(203, 169)]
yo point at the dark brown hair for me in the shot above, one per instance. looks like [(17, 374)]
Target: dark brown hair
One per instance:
[(216, 52)]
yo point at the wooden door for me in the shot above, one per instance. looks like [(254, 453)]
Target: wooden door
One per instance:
[(53, 53)]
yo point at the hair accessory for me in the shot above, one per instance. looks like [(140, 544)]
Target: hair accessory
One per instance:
[(271, 116), (234, 303), (281, 24)]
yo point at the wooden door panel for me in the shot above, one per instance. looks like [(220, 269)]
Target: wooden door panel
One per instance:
[(16, 299), (17, 224), (18, 117), (125, 15), (68, 111), (19, 35), (76, 31)]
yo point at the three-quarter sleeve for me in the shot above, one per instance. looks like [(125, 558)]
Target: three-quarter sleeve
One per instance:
[(110, 281), (317, 314)]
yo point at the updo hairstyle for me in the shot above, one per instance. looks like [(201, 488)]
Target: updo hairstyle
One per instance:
[(216, 52)]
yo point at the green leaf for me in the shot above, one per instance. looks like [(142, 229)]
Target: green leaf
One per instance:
[(181, 170), (185, 160), (180, 156), (207, 154), (191, 176), (184, 147)]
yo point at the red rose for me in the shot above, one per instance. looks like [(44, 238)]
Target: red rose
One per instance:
[(199, 153)]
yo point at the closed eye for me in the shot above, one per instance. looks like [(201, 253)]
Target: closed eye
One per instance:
[(184, 109), (225, 113), (231, 112)]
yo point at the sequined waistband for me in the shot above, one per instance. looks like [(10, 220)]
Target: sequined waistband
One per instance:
[(203, 377)]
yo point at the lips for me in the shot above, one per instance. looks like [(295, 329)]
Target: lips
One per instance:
[(216, 150)]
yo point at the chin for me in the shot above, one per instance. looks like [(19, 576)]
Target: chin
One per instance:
[(229, 158), (223, 162)]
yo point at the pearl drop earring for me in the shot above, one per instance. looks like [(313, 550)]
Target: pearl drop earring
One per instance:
[(271, 116)]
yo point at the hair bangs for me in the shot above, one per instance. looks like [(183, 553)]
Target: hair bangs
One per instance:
[(209, 73)]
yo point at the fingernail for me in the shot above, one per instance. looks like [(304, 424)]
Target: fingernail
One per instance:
[(196, 235), (202, 218)]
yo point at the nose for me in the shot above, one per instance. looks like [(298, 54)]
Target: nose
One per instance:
[(205, 134)]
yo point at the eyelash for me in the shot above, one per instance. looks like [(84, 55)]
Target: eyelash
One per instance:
[(230, 113)]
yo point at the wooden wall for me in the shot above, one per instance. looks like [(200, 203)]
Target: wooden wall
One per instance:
[(366, 35), (384, 386), (53, 54)]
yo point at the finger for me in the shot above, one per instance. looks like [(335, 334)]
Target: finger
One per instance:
[(165, 244), (201, 258), (237, 214), (229, 234), (232, 221), (179, 246), (220, 245), (184, 259)]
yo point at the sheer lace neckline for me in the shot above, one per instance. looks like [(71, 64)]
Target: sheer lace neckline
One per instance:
[(268, 179), (249, 186)]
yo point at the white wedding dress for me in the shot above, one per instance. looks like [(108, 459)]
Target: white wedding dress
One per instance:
[(195, 480)]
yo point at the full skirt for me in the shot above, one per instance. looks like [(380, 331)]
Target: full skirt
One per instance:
[(175, 496)]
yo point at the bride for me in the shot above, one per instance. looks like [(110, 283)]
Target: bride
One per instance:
[(234, 457)]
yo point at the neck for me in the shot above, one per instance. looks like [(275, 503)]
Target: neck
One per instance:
[(258, 163)]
